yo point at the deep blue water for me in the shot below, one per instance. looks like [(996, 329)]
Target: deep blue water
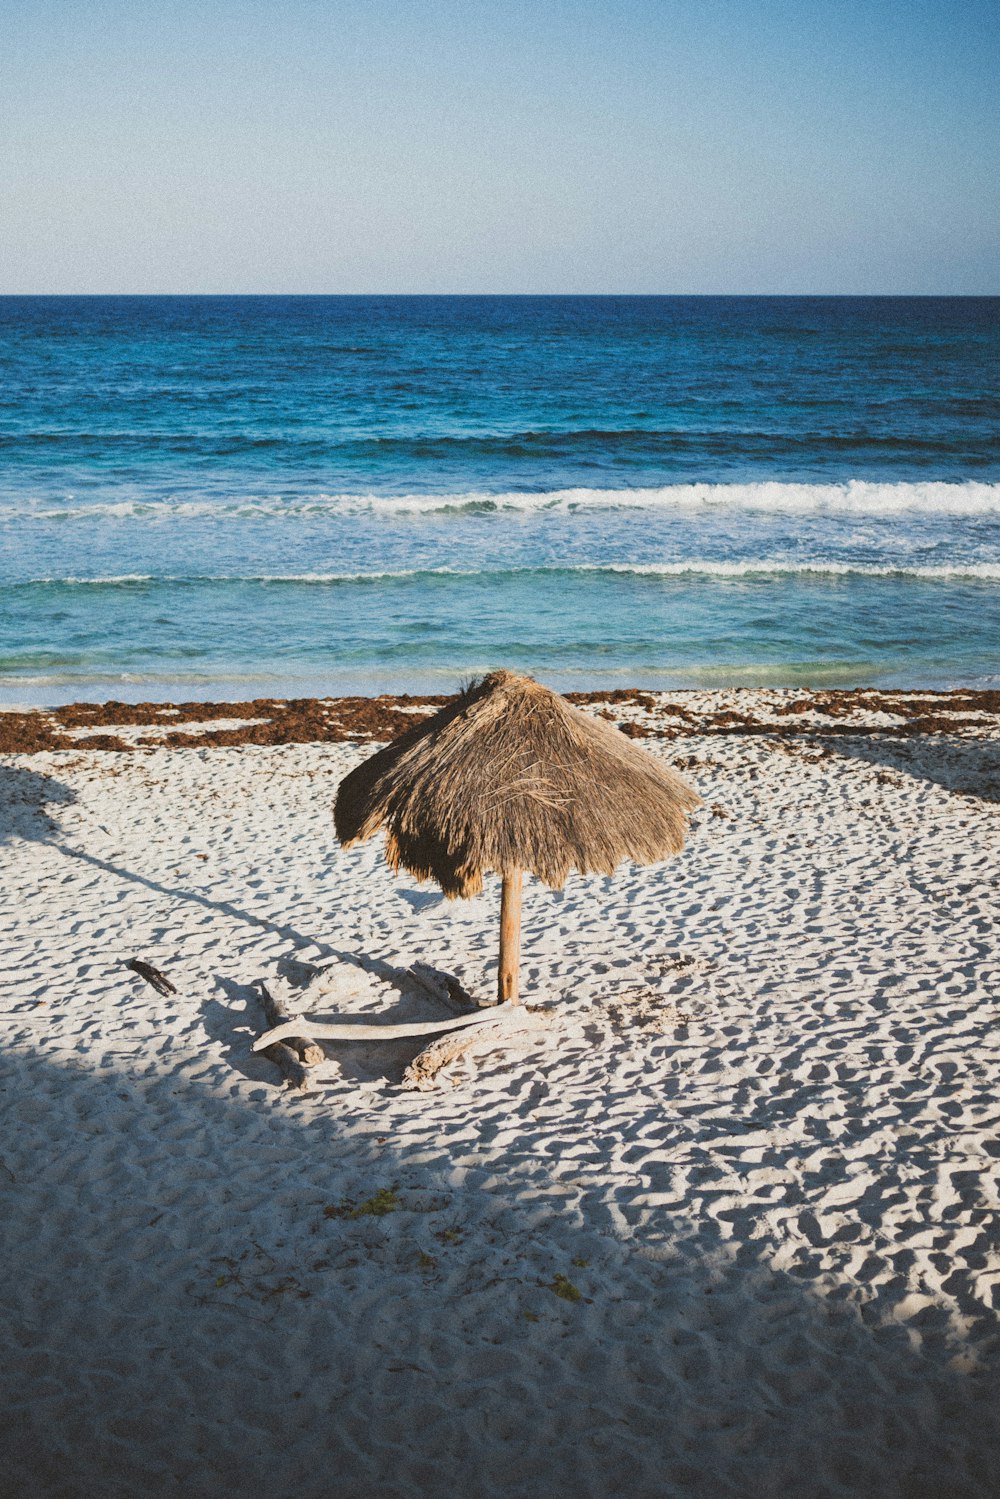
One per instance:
[(203, 496)]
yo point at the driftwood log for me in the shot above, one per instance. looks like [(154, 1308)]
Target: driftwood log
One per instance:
[(359, 1030), (474, 1025), (287, 1061), (458, 1036), (501, 1024), (276, 1012), (293, 1056)]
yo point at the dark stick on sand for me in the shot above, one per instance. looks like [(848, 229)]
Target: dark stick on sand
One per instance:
[(152, 975)]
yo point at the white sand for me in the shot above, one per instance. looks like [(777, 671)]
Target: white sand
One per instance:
[(762, 1141)]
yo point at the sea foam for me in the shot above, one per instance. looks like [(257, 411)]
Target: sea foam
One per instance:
[(856, 496), (691, 567)]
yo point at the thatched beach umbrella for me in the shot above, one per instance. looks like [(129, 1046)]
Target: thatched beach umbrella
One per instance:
[(509, 777)]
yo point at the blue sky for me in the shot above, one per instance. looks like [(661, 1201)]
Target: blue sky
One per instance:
[(460, 146)]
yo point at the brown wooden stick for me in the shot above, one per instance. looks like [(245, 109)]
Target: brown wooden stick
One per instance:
[(510, 939), (276, 1012), (152, 975)]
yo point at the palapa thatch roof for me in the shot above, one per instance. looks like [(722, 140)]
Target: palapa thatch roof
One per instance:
[(509, 776)]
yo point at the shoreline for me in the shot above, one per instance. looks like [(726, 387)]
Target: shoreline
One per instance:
[(786, 713), (28, 694)]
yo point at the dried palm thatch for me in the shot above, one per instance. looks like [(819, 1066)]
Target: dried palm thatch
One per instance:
[(508, 777)]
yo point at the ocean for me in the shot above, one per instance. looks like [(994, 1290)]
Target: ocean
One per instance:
[(217, 497)]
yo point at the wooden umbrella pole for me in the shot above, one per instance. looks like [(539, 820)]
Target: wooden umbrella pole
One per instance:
[(510, 938)]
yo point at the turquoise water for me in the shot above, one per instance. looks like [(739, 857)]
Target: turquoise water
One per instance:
[(216, 496)]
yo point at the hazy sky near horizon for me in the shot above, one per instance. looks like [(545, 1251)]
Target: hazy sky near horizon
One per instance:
[(529, 146)]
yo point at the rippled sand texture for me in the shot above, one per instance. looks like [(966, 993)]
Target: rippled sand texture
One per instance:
[(730, 1230)]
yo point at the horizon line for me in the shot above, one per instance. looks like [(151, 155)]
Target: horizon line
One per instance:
[(552, 295)]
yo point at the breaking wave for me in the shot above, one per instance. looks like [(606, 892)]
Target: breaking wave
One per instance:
[(856, 496), (693, 567)]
